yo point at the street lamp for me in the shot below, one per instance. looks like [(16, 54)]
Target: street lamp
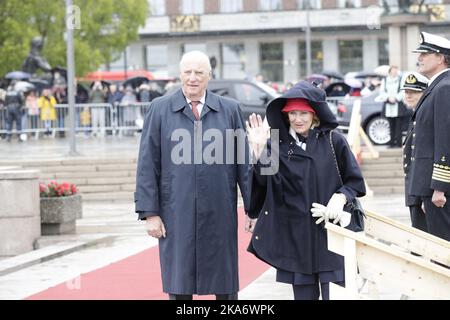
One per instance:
[(70, 75), (308, 38)]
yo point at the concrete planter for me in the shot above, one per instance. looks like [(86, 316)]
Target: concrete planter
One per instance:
[(58, 214), (20, 223)]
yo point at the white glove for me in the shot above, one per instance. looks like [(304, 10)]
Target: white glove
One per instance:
[(318, 211), (335, 207)]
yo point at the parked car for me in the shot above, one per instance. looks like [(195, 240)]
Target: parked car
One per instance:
[(373, 122), (252, 95)]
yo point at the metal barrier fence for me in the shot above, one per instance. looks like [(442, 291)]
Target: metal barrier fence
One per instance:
[(98, 119), (95, 119)]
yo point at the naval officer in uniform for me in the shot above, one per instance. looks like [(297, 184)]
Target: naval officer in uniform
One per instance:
[(414, 84), (430, 140)]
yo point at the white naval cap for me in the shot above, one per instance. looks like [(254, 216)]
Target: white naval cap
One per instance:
[(433, 43), (414, 81)]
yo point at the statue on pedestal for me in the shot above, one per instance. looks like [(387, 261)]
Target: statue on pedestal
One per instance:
[(34, 61)]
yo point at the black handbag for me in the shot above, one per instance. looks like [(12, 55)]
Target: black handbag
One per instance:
[(354, 208)]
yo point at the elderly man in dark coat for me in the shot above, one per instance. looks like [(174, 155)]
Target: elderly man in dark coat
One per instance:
[(286, 235), (192, 157)]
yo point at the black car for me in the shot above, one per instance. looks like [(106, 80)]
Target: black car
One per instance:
[(252, 95), (373, 122)]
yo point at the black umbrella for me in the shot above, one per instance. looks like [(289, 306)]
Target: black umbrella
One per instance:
[(332, 74), (24, 86), (104, 83), (82, 89), (62, 71), (337, 89), (136, 81), (318, 78), (18, 75), (366, 74), (82, 95), (40, 84)]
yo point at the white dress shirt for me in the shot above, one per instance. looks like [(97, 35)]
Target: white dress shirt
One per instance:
[(297, 140), (200, 105)]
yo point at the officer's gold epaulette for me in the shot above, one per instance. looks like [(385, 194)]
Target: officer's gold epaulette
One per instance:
[(441, 173)]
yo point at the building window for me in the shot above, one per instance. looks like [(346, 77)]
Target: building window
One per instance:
[(383, 52), (389, 6), (272, 61), (350, 55), (316, 57), (230, 6), (312, 4), (233, 61), (157, 7), (349, 3), (156, 59), (192, 7), (194, 46), (390, 3), (121, 63), (270, 5)]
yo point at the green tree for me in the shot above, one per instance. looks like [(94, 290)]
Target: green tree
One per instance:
[(14, 34), (106, 27)]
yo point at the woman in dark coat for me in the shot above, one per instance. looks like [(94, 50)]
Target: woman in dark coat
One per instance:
[(286, 235)]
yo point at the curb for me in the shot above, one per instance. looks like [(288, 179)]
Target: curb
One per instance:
[(28, 259)]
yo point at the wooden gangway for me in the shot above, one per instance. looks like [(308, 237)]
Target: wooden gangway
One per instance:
[(382, 257)]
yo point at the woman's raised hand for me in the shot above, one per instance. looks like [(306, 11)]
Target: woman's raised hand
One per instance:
[(257, 133)]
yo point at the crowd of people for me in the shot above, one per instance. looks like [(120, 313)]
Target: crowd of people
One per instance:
[(36, 109)]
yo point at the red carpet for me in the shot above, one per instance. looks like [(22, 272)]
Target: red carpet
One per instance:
[(138, 277)]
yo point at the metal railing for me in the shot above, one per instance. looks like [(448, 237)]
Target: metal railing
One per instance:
[(95, 119)]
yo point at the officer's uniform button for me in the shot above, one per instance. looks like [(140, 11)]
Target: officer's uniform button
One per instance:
[(412, 158), (414, 123), (405, 165), (266, 212), (256, 237), (412, 147)]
